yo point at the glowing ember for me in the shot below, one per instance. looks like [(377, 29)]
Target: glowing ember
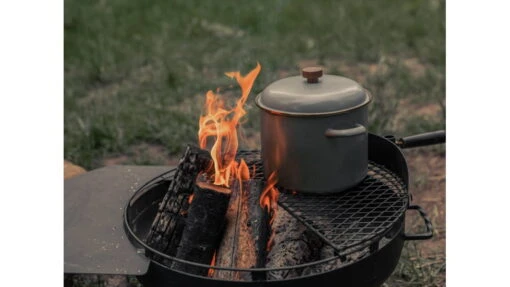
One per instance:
[(221, 123)]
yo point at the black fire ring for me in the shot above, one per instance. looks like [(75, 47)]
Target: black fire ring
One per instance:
[(367, 221)]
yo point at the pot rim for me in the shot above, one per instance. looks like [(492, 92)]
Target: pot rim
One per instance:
[(369, 98)]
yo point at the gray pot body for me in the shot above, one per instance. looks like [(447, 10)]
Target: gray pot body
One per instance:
[(316, 154)]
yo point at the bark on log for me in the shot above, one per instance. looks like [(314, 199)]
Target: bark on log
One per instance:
[(246, 234), (293, 245), (166, 229), (203, 229)]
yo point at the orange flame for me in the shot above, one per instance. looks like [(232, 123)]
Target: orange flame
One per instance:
[(210, 273), (244, 171), (269, 196), (269, 201), (221, 124)]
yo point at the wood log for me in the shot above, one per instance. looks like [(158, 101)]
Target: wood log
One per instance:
[(293, 245), (258, 224), (246, 234), (203, 229), (326, 252), (227, 251), (166, 230)]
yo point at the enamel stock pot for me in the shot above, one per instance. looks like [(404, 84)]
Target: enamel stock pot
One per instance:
[(314, 131)]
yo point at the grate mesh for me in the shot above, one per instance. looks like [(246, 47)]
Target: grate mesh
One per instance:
[(351, 219)]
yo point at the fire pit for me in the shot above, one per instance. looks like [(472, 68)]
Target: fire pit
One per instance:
[(363, 227), (365, 254), (217, 220)]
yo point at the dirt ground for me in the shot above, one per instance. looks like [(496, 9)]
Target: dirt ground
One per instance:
[(428, 182)]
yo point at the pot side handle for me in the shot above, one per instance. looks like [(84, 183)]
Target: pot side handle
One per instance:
[(357, 130)]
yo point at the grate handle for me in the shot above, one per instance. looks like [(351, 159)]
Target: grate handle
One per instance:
[(428, 225), (436, 137)]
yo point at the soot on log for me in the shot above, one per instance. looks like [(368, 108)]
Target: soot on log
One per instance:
[(203, 227), (166, 230)]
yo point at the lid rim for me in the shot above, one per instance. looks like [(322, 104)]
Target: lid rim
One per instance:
[(368, 99)]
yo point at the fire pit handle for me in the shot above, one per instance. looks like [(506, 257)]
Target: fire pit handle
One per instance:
[(428, 225), (436, 137)]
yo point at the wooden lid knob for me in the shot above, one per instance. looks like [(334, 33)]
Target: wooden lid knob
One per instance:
[(312, 74)]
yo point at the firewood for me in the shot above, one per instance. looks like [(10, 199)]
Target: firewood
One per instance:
[(293, 245), (258, 224), (166, 229), (246, 234), (326, 252), (227, 251), (203, 228)]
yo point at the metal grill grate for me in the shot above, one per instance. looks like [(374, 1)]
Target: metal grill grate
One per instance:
[(351, 219)]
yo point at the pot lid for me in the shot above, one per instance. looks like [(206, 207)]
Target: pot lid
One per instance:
[(312, 93)]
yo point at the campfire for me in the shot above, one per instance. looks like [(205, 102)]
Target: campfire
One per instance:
[(215, 211), (323, 202), (231, 216), (222, 219)]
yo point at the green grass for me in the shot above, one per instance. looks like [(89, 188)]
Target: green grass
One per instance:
[(414, 269), (127, 63), (136, 71)]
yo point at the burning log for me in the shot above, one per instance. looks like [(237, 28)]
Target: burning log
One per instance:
[(326, 252), (258, 223), (166, 230), (204, 227), (293, 245), (246, 234)]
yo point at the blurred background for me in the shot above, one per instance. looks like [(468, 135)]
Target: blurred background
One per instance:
[(136, 74)]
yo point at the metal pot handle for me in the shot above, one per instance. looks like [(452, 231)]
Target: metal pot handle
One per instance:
[(428, 225), (357, 130)]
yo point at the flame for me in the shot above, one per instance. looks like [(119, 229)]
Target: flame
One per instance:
[(269, 201), (242, 171), (190, 198), (220, 123), (210, 273), (269, 196)]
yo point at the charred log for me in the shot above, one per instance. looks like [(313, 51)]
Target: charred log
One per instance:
[(166, 230), (203, 228), (246, 234), (258, 224), (293, 245), (335, 262)]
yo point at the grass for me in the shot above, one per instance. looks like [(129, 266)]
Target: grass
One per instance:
[(414, 269), (136, 71), (131, 66)]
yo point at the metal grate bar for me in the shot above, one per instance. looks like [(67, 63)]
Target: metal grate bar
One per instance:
[(382, 203)]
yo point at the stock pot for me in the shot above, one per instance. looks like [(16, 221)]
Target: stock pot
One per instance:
[(314, 131)]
